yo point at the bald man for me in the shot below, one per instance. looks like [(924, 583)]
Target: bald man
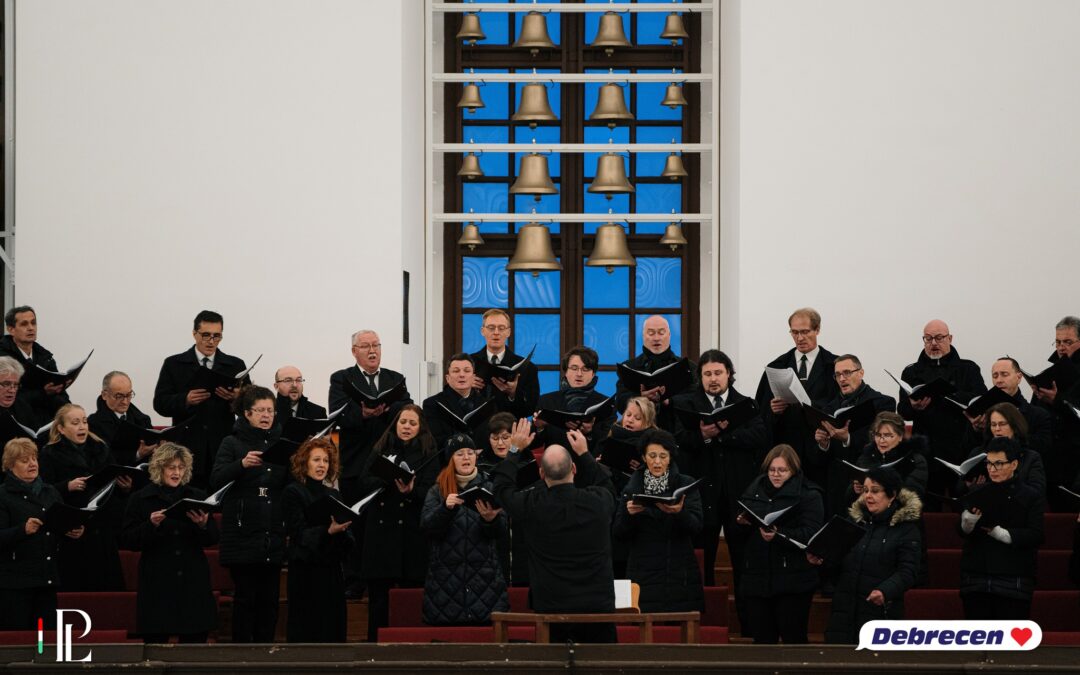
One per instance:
[(291, 401), (937, 419), (569, 534), (656, 352)]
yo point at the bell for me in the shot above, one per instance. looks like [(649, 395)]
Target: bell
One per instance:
[(533, 251), (610, 176), (534, 106), (470, 98), (470, 28), (610, 250), (610, 34), (470, 237), (673, 168), (534, 33), (674, 29), (533, 177), (470, 167), (611, 106), (674, 96), (673, 236)]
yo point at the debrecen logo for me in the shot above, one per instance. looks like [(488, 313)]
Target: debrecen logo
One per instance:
[(63, 636), (950, 635)]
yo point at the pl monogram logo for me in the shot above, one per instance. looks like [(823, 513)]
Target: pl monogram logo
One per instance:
[(63, 636)]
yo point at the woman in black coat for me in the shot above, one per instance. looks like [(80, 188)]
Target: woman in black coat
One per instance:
[(395, 550), (887, 445), (28, 570), (316, 550), (877, 572), (174, 595), (997, 566), (465, 581), (252, 525), (73, 454), (777, 582), (661, 536)]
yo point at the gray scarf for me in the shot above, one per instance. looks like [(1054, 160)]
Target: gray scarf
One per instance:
[(656, 485)]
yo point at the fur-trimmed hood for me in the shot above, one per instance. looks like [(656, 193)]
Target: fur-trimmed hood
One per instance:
[(907, 508)]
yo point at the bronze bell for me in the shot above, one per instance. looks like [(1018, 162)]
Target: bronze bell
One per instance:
[(610, 34), (470, 28), (534, 106), (674, 168), (674, 29), (470, 167), (610, 176), (673, 236), (470, 98), (611, 106), (533, 177), (470, 236), (610, 250), (533, 251), (534, 33), (674, 96)]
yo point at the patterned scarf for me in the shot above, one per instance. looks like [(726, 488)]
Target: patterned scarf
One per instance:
[(656, 485)]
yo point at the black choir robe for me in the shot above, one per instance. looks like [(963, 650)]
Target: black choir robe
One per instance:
[(528, 389), (42, 404)]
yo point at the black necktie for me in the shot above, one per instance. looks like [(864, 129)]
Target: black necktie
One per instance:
[(718, 402), (371, 382), (494, 360), (206, 362), (802, 368), (123, 417)]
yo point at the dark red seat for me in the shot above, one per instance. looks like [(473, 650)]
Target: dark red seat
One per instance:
[(1061, 638), (107, 610), (30, 637), (1052, 571), (220, 579), (129, 564), (933, 603), (1056, 610), (940, 530)]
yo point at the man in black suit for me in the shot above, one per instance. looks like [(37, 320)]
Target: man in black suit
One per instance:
[(1005, 375), (175, 397), (517, 396), (459, 398), (569, 542), (655, 353), (291, 401), (838, 444), (727, 458), (358, 428), (813, 364), (21, 344), (114, 406), (1063, 460), (943, 423)]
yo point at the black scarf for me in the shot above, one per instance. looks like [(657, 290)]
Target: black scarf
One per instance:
[(575, 398), (34, 487)]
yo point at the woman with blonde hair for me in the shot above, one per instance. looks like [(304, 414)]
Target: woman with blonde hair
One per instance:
[(72, 455), (316, 550), (174, 593)]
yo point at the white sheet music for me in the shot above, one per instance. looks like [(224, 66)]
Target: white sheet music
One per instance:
[(786, 386)]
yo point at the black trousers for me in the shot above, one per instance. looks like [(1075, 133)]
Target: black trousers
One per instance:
[(593, 633), (255, 602), (781, 617), (990, 606), (379, 603), (350, 492), (708, 540), (20, 608)]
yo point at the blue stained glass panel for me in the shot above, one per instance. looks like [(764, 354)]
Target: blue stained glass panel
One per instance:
[(652, 163), (674, 320), (491, 163), (650, 228), (649, 27), (484, 282), (553, 27), (471, 339), (603, 135), (549, 380), (553, 93), (659, 197), (609, 335), (598, 203), (486, 198), (539, 291), (541, 330), (606, 381), (658, 282), (603, 290), (592, 24)]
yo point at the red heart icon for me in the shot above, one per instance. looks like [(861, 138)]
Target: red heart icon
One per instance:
[(1021, 635)]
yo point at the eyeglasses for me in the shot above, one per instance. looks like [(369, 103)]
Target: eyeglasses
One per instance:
[(290, 380), (262, 411), (367, 347), (1064, 343), (122, 397), (779, 469), (9, 385), (930, 339), (997, 466), (801, 333), (846, 374), (579, 369), (210, 337), (492, 328), (499, 438), (999, 425), (885, 436)]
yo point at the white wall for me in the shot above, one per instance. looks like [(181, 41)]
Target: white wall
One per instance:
[(256, 157), (892, 162)]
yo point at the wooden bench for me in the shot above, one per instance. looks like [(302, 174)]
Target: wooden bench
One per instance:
[(689, 623)]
